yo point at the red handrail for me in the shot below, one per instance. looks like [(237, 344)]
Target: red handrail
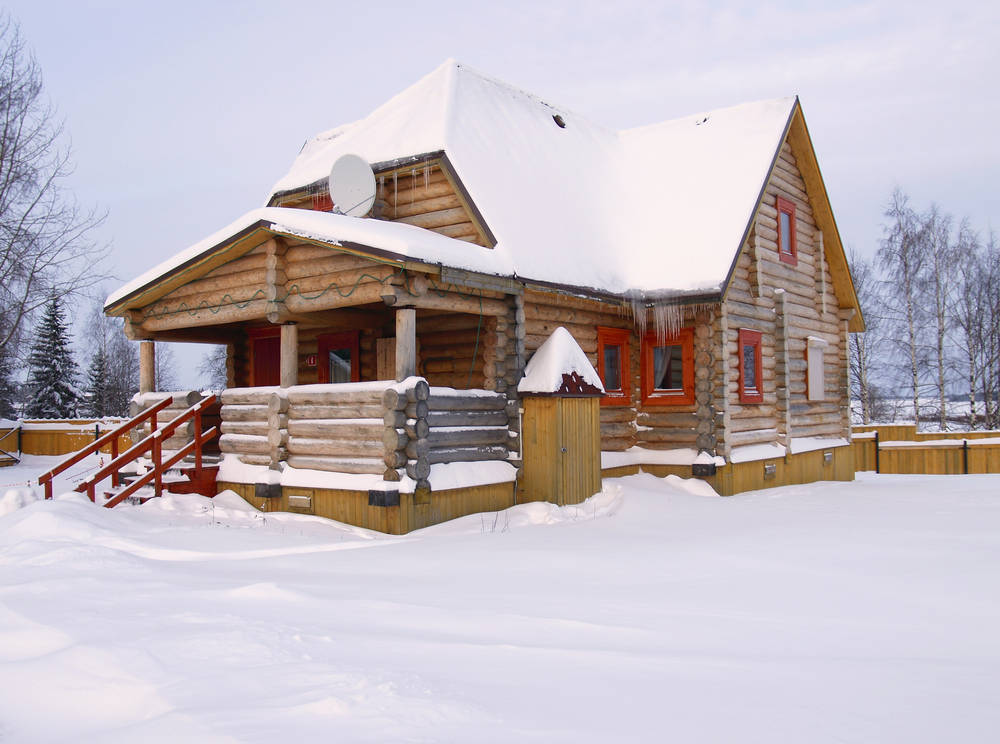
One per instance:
[(154, 442), (183, 452), (112, 437)]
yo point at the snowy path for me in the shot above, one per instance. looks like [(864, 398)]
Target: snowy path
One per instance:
[(856, 612)]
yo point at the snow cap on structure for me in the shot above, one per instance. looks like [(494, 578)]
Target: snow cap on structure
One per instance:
[(559, 367)]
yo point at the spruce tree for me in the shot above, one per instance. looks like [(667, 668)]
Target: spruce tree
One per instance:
[(52, 373), (8, 391), (96, 395)]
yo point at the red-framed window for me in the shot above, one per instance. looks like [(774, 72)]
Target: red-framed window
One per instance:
[(265, 355), (787, 246), (614, 365), (338, 358), (751, 384), (667, 373)]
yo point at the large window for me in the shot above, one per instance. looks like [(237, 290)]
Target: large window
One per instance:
[(668, 369), (751, 386), (613, 365), (787, 246)]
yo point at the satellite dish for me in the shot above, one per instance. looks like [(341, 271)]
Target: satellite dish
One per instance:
[(352, 186)]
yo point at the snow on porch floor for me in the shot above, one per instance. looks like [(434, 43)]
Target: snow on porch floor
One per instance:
[(857, 612)]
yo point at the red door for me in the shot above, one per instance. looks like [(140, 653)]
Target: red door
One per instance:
[(266, 368)]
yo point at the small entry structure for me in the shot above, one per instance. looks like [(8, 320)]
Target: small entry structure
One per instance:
[(561, 423)]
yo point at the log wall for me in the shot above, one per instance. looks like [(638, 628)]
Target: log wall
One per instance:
[(182, 400), (421, 195), (787, 304)]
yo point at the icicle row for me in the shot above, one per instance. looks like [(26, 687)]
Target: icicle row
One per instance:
[(413, 184)]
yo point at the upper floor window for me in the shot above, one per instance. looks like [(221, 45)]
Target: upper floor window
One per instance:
[(668, 369), (751, 385), (613, 365), (787, 247)]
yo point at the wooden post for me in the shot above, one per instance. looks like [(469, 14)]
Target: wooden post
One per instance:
[(147, 367), (406, 343), (289, 355)]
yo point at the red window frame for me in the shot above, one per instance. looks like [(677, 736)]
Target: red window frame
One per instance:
[(790, 253), (751, 338), (674, 397), (327, 341), (615, 337)]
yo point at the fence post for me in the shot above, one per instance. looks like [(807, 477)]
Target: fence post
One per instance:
[(965, 456), (876, 450), (97, 431)]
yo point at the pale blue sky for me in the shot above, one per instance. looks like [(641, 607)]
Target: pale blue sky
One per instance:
[(183, 114)]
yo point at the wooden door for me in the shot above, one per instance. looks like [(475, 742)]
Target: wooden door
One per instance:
[(266, 364)]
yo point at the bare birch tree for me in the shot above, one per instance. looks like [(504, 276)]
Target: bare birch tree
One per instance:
[(865, 347), (46, 244), (902, 256), (941, 265)]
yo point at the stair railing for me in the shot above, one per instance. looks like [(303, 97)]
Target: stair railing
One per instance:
[(111, 437), (154, 445)]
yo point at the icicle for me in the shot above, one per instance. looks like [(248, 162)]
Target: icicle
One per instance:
[(413, 184), (666, 320), (427, 179), (381, 187), (395, 193)]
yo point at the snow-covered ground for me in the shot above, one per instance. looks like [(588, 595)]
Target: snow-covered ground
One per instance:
[(836, 612)]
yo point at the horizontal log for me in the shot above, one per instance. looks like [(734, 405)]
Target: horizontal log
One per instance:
[(336, 447), (417, 449), (428, 205), (321, 396), (617, 414), (341, 411), (467, 418), (326, 299), (666, 419), (467, 454), (439, 187), (244, 413), (616, 444), (478, 402), (362, 465), (252, 459), (757, 436), (617, 430), (244, 444), (668, 435), (438, 218), (332, 429), (465, 437), (248, 262), (333, 263), (237, 281), (394, 458), (257, 428)]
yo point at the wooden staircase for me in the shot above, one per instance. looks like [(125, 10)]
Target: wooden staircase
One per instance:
[(168, 471)]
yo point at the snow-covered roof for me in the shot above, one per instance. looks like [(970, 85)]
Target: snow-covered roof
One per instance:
[(580, 205), (559, 357), (569, 202)]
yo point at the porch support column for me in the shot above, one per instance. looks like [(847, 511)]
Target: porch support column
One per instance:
[(406, 342), (147, 367), (289, 355)]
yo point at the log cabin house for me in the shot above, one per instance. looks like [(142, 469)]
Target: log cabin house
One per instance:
[(374, 362)]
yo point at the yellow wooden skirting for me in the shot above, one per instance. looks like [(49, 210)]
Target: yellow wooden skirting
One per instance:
[(805, 467), (415, 511)]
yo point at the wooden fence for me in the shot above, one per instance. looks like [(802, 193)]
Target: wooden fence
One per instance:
[(932, 453), (60, 436)]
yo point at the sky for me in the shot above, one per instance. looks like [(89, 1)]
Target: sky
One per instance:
[(183, 115)]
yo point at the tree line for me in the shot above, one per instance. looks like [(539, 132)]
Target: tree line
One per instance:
[(931, 301)]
